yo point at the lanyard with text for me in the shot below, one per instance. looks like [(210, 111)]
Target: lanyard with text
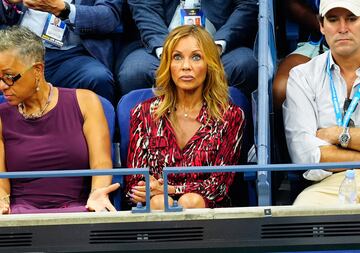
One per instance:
[(339, 120), (191, 13)]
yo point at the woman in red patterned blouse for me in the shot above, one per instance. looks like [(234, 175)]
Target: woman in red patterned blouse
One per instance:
[(190, 122)]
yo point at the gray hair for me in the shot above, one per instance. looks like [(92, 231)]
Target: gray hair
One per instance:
[(29, 47)]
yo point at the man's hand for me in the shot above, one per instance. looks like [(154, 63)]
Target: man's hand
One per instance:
[(330, 134), (54, 7)]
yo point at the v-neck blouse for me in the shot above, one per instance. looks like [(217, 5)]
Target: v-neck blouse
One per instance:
[(153, 144)]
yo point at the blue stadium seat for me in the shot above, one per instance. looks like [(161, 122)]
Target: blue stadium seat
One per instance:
[(126, 103), (110, 117), (134, 97), (292, 34)]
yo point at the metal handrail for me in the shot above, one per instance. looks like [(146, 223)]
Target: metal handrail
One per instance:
[(263, 151), (175, 170), (89, 172), (245, 168)]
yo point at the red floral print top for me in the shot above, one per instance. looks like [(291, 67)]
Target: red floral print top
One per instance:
[(153, 144)]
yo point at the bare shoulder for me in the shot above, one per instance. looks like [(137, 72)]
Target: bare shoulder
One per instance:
[(84, 95), (88, 100), (87, 96)]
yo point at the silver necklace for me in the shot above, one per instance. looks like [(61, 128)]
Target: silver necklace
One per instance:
[(35, 115)]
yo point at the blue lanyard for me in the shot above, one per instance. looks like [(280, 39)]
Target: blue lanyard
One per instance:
[(339, 120)]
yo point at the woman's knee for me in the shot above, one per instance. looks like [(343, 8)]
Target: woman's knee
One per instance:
[(157, 202), (192, 200)]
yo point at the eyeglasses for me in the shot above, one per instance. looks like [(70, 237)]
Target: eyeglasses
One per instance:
[(9, 80)]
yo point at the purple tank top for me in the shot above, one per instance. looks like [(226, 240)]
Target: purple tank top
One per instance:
[(53, 142)]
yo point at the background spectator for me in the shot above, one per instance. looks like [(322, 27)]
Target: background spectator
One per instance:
[(233, 24), (319, 124), (81, 54)]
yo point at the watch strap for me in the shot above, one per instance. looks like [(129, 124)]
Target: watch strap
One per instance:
[(64, 14)]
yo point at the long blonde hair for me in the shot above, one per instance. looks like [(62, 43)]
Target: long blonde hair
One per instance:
[(215, 91)]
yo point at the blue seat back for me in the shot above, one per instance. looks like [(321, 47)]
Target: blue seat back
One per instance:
[(126, 103), (2, 99), (110, 117)]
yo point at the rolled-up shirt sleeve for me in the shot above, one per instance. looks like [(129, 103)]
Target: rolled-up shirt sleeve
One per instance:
[(301, 119)]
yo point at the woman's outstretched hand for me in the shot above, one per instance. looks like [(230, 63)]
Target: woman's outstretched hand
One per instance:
[(98, 200)]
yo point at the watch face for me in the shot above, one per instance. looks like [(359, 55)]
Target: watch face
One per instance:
[(344, 138)]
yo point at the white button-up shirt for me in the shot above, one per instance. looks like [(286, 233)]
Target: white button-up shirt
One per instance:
[(309, 107)]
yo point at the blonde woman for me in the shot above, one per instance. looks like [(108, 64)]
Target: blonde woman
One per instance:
[(190, 122)]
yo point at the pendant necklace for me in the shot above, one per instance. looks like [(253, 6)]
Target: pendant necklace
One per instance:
[(35, 115), (186, 113)]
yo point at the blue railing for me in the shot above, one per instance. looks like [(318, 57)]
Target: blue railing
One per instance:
[(93, 172), (266, 72), (175, 170)]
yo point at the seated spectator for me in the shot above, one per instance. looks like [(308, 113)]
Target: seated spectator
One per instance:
[(190, 122), (301, 12), (79, 51), (47, 128), (321, 123), (233, 25), (10, 12)]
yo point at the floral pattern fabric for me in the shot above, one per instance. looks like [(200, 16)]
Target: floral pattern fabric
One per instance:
[(216, 143)]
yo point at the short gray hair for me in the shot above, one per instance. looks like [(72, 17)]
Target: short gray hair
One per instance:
[(27, 44)]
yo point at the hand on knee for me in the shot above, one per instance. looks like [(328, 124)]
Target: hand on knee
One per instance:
[(157, 202), (192, 200)]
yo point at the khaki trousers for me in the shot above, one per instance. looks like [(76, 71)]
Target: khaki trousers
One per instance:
[(325, 192)]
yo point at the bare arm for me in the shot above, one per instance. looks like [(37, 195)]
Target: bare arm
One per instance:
[(331, 135), (334, 153), (97, 136), (4, 183)]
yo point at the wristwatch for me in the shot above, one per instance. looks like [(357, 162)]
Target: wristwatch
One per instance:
[(64, 14), (344, 137)]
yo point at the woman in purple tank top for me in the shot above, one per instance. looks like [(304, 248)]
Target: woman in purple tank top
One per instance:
[(46, 128)]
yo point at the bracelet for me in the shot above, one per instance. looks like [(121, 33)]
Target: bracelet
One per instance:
[(179, 189)]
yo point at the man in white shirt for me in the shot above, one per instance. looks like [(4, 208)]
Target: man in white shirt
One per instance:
[(321, 123)]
